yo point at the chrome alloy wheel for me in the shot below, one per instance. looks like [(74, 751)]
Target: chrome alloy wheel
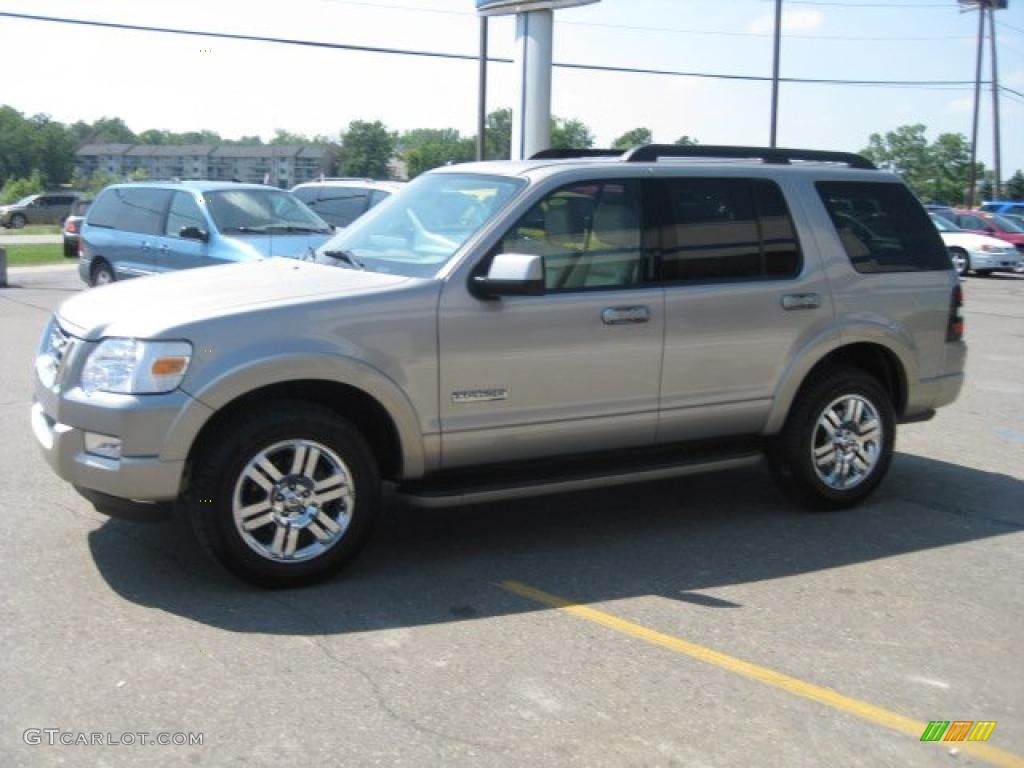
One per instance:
[(293, 501), (847, 442)]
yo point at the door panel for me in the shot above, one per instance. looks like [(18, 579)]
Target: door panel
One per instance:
[(572, 371), (739, 303), (176, 252)]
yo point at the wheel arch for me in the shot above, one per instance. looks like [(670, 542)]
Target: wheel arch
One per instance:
[(879, 360)]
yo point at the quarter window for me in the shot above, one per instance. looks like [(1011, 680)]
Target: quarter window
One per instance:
[(727, 230), (882, 227), (139, 209), (589, 235)]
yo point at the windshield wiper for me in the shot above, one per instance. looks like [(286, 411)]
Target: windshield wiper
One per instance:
[(346, 257), (290, 228)]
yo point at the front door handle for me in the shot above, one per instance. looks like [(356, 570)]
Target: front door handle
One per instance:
[(801, 301), (624, 315)]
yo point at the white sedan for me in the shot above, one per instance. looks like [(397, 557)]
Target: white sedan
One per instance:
[(973, 252)]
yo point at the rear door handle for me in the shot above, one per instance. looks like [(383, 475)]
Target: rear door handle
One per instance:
[(801, 301), (624, 315)]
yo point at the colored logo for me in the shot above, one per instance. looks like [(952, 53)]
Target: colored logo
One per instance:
[(958, 730)]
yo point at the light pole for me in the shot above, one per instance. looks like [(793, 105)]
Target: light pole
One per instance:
[(776, 55)]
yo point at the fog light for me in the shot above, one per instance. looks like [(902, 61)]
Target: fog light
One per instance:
[(103, 445)]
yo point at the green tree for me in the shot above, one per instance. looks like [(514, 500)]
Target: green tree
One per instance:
[(570, 134), (366, 150), (936, 171), (110, 130), (425, 148), (634, 138), (498, 136), (15, 189), (685, 141), (91, 185), (1014, 187)]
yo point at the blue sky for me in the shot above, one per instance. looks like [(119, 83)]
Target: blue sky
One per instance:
[(241, 88)]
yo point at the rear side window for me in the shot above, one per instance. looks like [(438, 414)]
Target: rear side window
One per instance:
[(131, 209), (728, 230), (882, 227)]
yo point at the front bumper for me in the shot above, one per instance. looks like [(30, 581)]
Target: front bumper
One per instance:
[(147, 478)]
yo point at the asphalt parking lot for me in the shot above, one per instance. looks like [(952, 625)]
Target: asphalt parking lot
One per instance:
[(699, 622)]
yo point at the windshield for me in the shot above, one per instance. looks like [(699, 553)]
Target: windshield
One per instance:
[(259, 211), (943, 224), (1007, 225), (26, 200), (422, 226)]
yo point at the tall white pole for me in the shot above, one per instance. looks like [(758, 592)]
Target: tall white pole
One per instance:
[(531, 115)]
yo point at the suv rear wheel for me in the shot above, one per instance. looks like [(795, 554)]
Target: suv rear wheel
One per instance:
[(838, 441), (286, 496), (102, 273)]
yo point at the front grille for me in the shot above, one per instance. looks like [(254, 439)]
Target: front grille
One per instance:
[(56, 350)]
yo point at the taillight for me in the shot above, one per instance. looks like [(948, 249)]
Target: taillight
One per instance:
[(71, 227), (956, 316)]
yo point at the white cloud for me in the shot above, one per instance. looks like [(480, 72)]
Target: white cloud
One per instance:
[(792, 21)]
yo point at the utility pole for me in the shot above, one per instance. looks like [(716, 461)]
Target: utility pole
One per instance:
[(997, 186), (775, 73), (977, 104), (481, 114)]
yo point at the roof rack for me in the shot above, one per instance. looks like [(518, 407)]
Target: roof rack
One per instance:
[(772, 155), (566, 153)]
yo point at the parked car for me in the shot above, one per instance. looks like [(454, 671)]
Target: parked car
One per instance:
[(342, 201), (993, 224), (149, 227), (974, 252), (1003, 206), (940, 208), (48, 208), (73, 227), (506, 329)]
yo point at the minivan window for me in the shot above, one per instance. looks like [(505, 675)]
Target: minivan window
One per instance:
[(243, 211), (184, 212), (132, 209), (728, 229), (589, 234), (882, 227), (339, 206)]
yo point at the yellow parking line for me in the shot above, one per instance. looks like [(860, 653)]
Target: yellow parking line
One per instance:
[(826, 696)]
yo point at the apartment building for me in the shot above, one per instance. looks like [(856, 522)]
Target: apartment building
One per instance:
[(280, 165)]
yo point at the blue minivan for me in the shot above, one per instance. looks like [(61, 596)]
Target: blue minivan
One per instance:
[(144, 228)]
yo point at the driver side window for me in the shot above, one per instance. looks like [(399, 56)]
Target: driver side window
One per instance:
[(589, 234)]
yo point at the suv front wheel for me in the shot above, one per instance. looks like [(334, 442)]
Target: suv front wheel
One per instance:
[(838, 441), (286, 496)]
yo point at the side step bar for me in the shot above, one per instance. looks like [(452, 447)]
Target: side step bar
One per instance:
[(445, 495)]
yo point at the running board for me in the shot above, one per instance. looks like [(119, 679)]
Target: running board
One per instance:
[(436, 496)]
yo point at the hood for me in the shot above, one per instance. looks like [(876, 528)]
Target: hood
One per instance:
[(147, 306), (972, 241), (289, 246)]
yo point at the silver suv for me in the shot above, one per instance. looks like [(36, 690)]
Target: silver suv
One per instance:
[(513, 328)]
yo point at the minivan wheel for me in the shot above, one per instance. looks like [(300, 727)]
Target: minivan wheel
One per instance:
[(18, 221), (961, 261), (838, 441), (102, 273), (286, 496)]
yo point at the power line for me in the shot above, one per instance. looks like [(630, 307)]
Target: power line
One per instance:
[(466, 56)]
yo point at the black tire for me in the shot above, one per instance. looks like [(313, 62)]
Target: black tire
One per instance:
[(218, 472), (101, 274), (791, 452), (18, 221)]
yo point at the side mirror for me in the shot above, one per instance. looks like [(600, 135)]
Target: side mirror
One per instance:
[(194, 233), (512, 274)]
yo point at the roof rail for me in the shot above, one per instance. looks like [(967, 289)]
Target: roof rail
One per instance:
[(567, 153), (652, 152)]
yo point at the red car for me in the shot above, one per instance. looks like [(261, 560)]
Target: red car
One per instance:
[(993, 224)]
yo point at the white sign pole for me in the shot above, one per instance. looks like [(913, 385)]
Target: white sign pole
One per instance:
[(531, 115)]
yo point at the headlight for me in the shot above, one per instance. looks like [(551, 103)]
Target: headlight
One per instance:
[(134, 367)]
